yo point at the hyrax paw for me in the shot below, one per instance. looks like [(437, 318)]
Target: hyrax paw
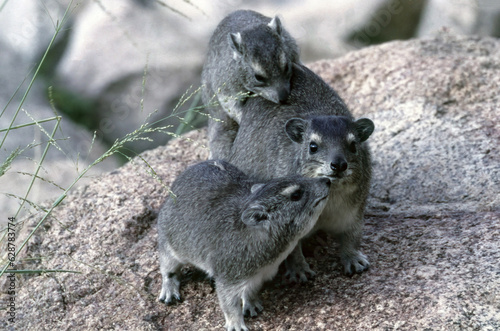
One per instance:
[(170, 298), (252, 308), (356, 263), (298, 274), (236, 327)]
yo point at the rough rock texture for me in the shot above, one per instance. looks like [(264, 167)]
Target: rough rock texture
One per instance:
[(432, 227)]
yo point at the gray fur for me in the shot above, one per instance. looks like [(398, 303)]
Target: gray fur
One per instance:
[(245, 46), (274, 141), (235, 229)]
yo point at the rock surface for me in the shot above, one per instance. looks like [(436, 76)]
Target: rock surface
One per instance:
[(432, 229)]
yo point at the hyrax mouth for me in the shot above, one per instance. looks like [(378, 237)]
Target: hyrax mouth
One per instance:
[(319, 201), (334, 176)]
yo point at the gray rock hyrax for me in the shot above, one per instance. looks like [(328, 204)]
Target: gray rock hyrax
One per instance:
[(313, 134), (235, 229), (248, 54)]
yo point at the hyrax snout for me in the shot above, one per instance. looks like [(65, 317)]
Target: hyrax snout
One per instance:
[(235, 229)]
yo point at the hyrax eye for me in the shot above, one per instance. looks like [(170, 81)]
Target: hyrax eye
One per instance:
[(352, 147), (260, 217), (260, 78), (313, 147), (297, 195)]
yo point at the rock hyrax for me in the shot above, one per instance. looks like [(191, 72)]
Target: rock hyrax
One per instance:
[(235, 229), (312, 134)]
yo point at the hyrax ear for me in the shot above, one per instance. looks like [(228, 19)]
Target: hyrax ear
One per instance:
[(364, 128), (256, 187), (236, 43), (255, 215), (295, 129), (275, 25)]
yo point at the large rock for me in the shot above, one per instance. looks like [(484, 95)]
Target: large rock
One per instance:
[(432, 225)]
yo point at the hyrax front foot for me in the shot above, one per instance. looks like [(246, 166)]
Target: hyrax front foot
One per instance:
[(230, 303), (354, 262), (236, 327), (170, 291), (234, 322), (297, 269), (252, 307), (298, 273)]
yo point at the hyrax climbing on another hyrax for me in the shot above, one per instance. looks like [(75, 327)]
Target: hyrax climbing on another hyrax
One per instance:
[(248, 54), (235, 229), (313, 134)]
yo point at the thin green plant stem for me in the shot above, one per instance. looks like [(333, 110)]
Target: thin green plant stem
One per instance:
[(189, 115), (3, 5), (54, 142), (11, 125), (35, 75), (35, 174), (151, 171), (6, 164), (24, 200), (195, 6), (41, 178), (31, 123), (185, 97), (115, 19), (194, 109), (26, 197), (143, 87), (15, 93)]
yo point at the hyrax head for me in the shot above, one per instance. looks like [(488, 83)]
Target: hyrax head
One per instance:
[(330, 146), (286, 205), (265, 57)]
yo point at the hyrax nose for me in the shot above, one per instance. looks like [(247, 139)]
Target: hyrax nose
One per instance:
[(283, 94), (340, 165)]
